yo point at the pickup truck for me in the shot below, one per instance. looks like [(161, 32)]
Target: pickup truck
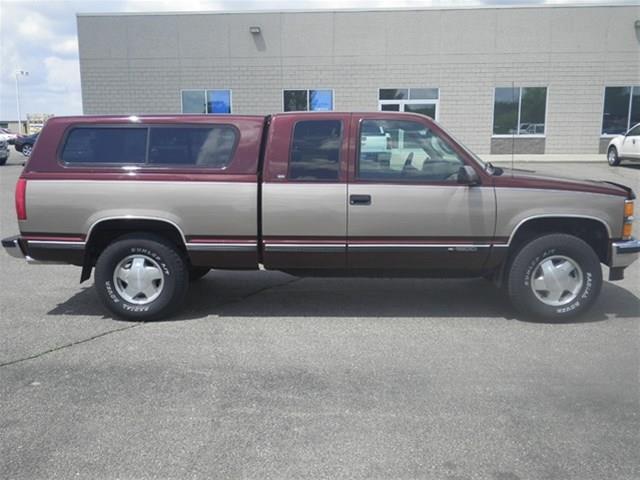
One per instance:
[(153, 202)]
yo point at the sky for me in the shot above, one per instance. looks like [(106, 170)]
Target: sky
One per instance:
[(40, 36)]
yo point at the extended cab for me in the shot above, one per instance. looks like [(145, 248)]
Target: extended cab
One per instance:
[(154, 202)]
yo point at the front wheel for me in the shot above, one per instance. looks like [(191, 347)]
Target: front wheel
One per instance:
[(141, 277), (612, 157), (555, 277), (3, 160)]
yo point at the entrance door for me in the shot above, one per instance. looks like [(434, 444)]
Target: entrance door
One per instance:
[(412, 100), (406, 209)]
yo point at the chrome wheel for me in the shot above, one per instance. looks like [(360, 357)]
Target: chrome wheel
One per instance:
[(26, 150), (138, 279), (612, 157), (557, 280)]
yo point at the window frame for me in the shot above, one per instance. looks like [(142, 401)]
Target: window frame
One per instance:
[(442, 135), (146, 166), (340, 150), (604, 98), (206, 100), (520, 135), (408, 100), (308, 90)]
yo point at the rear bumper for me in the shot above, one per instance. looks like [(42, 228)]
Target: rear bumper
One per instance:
[(12, 247), (49, 251), (624, 253)]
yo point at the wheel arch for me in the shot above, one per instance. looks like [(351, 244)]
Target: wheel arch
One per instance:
[(593, 230), (103, 231)]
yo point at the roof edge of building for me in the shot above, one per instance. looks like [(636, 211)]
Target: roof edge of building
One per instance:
[(365, 9)]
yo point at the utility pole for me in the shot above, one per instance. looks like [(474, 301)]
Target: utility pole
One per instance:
[(19, 73)]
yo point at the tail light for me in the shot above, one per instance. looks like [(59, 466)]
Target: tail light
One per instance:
[(627, 227), (21, 199)]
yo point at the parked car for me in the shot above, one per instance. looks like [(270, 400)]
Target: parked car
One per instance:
[(24, 144), (4, 152), (153, 202), (7, 136), (624, 147)]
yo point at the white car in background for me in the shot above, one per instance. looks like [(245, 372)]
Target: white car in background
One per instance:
[(624, 147), (7, 135)]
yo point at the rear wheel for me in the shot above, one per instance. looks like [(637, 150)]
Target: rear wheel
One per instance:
[(555, 277), (3, 160), (141, 277), (612, 157)]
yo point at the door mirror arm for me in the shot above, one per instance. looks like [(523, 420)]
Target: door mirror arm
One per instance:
[(468, 176)]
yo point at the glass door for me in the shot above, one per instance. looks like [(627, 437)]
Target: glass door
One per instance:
[(413, 100)]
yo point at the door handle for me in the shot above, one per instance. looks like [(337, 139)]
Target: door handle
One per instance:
[(360, 199)]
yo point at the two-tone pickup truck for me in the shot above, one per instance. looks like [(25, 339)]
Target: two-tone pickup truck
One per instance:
[(154, 202)]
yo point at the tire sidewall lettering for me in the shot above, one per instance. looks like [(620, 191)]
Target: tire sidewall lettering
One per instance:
[(151, 254)]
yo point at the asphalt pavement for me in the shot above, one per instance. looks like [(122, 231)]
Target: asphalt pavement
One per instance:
[(264, 375)]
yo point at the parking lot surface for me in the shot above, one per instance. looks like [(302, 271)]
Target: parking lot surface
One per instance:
[(264, 375)]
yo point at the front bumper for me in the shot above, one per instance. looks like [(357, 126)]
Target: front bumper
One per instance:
[(624, 253)]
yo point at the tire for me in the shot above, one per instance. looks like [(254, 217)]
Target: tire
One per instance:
[(165, 285), (196, 273), (26, 150), (556, 262), (612, 157), (3, 160)]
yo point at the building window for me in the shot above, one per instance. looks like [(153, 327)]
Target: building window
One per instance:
[(621, 109), (307, 100), (413, 100), (315, 152), (519, 111), (206, 101)]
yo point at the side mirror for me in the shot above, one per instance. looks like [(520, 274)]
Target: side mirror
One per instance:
[(468, 176)]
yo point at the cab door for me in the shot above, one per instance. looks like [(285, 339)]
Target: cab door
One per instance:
[(406, 209), (304, 193)]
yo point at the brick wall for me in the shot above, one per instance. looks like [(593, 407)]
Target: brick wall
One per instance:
[(136, 64)]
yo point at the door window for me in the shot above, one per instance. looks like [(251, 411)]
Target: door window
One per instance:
[(315, 151), (405, 151)]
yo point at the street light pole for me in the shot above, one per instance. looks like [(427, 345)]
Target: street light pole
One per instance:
[(19, 73)]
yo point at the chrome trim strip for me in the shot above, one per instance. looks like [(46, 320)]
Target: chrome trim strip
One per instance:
[(299, 245), (222, 247), (533, 217), (63, 245), (419, 245), (305, 248)]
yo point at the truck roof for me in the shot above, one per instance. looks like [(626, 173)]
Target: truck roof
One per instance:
[(201, 118)]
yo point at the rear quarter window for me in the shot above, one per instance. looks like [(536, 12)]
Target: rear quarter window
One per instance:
[(315, 151), (192, 146), (210, 146), (124, 146)]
